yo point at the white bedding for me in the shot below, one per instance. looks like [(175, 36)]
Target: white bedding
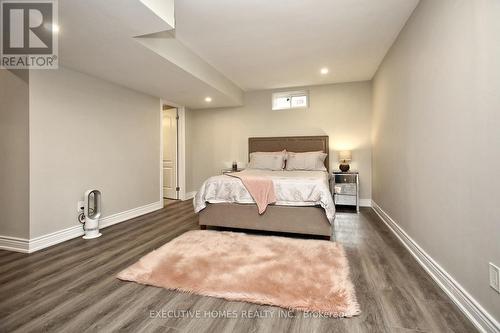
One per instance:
[(292, 188)]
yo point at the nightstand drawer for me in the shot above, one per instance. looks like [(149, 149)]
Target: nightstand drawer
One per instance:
[(339, 179), (350, 189), (341, 199)]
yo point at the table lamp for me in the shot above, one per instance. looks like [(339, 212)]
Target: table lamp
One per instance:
[(344, 159)]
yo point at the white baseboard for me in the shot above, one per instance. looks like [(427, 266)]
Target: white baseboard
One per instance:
[(469, 306), (189, 195), (34, 244), (365, 202), (130, 214), (41, 242), (14, 244)]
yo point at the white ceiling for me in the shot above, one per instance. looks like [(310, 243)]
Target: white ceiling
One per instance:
[(97, 37), (220, 47), (261, 44)]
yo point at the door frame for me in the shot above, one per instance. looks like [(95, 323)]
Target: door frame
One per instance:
[(172, 111), (181, 150)]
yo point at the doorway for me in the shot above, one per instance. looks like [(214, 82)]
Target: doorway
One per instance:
[(170, 153)]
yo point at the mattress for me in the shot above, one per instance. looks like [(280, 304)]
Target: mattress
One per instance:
[(292, 188)]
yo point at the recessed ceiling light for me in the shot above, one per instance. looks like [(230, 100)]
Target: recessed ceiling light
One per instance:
[(208, 99), (324, 70)]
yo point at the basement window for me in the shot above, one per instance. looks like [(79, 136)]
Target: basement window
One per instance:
[(290, 100)]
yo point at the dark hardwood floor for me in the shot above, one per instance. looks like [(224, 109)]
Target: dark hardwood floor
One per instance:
[(72, 287)]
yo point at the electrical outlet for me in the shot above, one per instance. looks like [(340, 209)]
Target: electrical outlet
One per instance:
[(80, 206), (494, 277)]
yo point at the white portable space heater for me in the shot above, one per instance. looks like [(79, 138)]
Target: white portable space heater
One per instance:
[(91, 212)]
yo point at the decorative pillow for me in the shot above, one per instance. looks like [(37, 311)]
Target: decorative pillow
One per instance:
[(311, 161), (267, 160)]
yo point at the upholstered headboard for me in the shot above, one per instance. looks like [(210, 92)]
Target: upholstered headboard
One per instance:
[(297, 144)]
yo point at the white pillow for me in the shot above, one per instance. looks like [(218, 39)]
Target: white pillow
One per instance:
[(267, 160), (311, 161)]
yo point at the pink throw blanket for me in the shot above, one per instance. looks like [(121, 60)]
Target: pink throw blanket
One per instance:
[(260, 188)]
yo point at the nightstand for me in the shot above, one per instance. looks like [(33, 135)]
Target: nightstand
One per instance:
[(224, 171), (345, 188)]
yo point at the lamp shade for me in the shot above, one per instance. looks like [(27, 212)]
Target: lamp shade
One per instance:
[(345, 156)]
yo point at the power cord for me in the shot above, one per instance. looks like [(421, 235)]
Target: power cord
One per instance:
[(81, 217)]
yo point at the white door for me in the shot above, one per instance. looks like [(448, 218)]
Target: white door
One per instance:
[(169, 154)]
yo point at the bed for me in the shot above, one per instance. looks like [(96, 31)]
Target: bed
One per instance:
[(304, 203)]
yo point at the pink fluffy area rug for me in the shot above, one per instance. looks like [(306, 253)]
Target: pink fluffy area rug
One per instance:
[(297, 274)]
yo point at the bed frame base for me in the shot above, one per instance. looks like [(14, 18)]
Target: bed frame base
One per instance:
[(299, 220)]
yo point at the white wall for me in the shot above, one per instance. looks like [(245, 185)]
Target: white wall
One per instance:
[(87, 133), (436, 138), (341, 111), (14, 153)]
